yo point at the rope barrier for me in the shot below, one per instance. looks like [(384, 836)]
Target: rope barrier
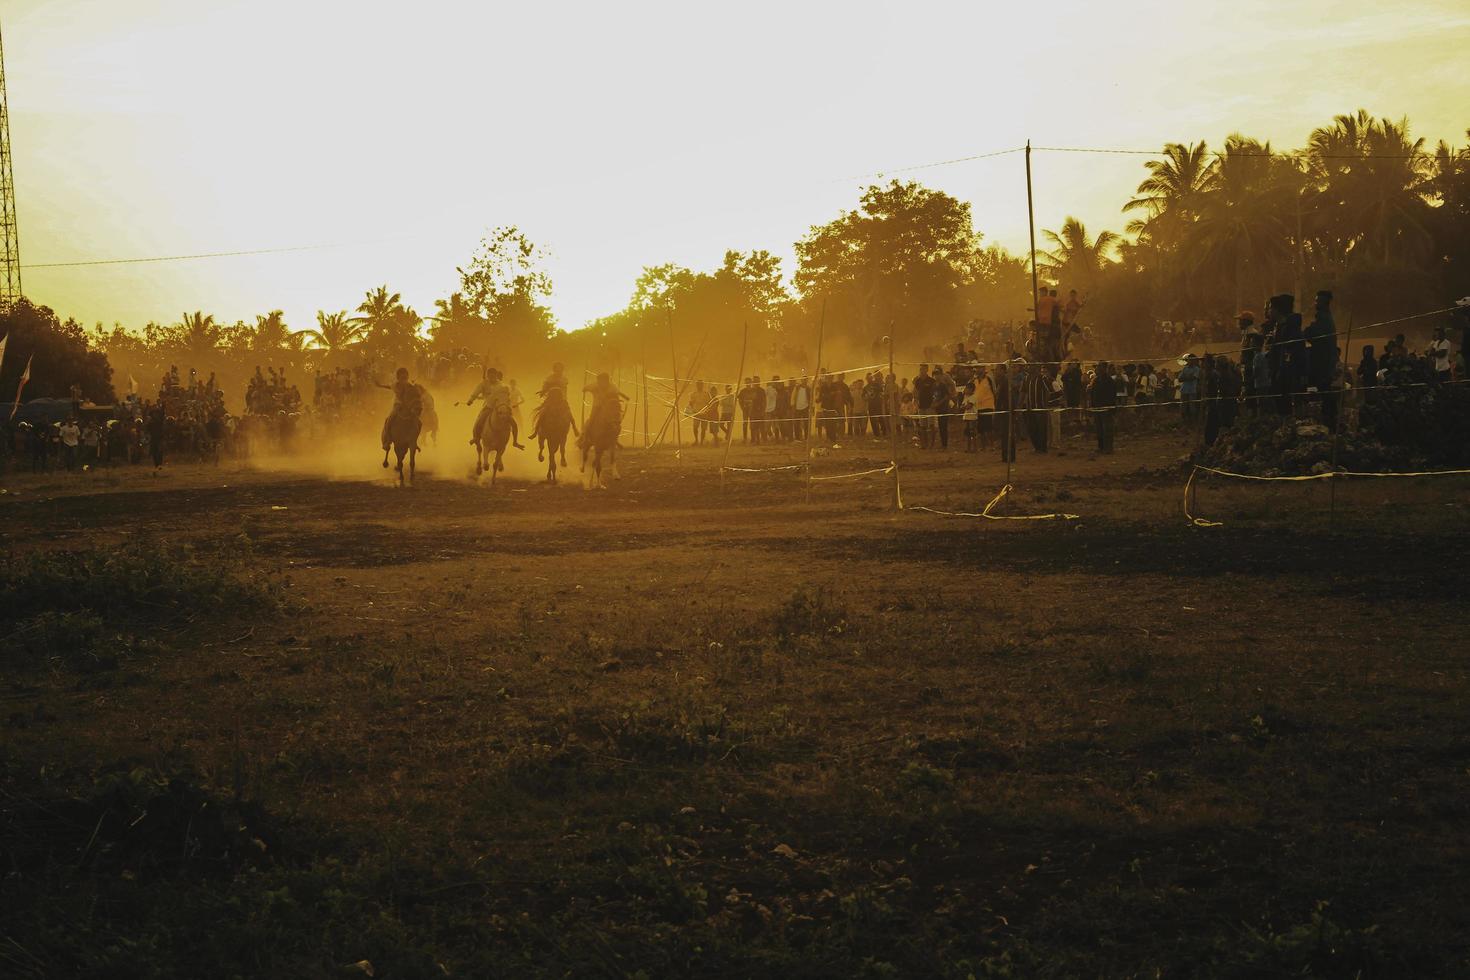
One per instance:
[(1328, 475), (849, 476), (987, 515)]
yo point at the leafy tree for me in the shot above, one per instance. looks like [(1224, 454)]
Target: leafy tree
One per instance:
[(59, 355), (900, 256), (457, 326), (503, 285)]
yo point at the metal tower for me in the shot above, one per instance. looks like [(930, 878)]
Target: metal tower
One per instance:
[(10, 249)]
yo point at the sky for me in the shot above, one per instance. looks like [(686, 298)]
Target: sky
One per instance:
[(384, 139)]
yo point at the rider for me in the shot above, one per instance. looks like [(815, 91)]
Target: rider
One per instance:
[(407, 402), (605, 407), (557, 379), (497, 399)]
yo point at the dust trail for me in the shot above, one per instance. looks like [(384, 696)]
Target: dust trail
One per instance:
[(351, 451)]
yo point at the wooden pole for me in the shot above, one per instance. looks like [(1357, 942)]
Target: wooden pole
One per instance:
[(893, 427), (811, 401), (725, 460), (1031, 221), (674, 357)]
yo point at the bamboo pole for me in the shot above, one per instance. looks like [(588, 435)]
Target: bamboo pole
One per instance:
[(811, 401), (893, 427), (1337, 428), (744, 342)]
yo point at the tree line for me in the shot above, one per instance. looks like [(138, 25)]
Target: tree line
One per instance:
[(1364, 208)]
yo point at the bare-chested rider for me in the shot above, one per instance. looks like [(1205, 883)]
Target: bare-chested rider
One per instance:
[(497, 398)]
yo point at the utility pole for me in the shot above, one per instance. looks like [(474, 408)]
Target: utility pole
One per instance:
[(10, 290)]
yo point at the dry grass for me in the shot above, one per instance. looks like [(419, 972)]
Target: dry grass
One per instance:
[(656, 730)]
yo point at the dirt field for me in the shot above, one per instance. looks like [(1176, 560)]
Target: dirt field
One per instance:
[(662, 730)]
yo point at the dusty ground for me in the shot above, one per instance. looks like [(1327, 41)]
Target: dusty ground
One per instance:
[(538, 730)]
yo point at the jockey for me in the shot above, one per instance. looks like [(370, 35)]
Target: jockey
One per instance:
[(497, 401), (407, 402)]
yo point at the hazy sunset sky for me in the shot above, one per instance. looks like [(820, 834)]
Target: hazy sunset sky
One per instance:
[(620, 135)]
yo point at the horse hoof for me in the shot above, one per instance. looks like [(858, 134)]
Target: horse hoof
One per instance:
[(385, 464), (540, 457)]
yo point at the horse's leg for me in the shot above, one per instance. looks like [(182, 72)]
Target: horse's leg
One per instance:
[(413, 455)]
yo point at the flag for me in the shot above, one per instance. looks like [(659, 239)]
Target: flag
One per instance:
[(3, 341), (24, 377), (132, 382)]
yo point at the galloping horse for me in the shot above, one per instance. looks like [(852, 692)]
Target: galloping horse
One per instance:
[(403, 433), (601, 436), (428, 417), (552, 420), (491, 438)]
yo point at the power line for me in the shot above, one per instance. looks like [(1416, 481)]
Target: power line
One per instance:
[(1240, 153), (182, 258), (937, 163)]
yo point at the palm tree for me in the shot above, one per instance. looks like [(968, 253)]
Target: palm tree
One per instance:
[(199, 335), (390, 329), (1170, 195), (1375, 187), (272, 334), (334, 331), (1076, 259), (1240, 233), (457, 325), (379, 310)]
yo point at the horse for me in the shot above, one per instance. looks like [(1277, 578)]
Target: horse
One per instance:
[(428, 417), (491, 438), (403, 436), (552, 420), (601, 436)]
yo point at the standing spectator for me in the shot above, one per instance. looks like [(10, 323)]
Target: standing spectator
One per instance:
[(1439, 351), (801, 406), (1189, 379), (1035, 397), (783, 411), (1004, 414), (984, 401), (1103, 399), (70, 439), (772, 393), (91, 445), (923, 401), (757, 410), (155, 436), (942, 403), (727, 412)]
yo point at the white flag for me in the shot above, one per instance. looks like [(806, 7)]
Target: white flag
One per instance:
[(24, 377)]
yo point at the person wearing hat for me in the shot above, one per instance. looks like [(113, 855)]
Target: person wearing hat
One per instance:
[(1189, 379)]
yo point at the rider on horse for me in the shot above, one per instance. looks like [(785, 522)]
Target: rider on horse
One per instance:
[(407, 403), (607, 412), (497, 403)]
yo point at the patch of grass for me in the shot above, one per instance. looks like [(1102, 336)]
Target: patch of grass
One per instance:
[(140, 580)]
